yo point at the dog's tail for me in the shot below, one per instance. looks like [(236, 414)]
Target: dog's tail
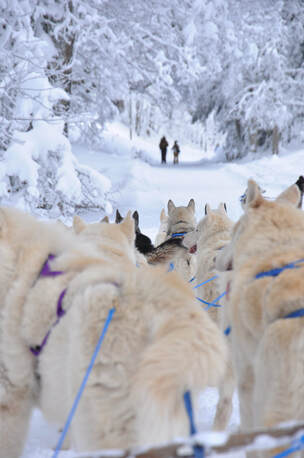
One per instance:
[(189, 356), (163, 253)]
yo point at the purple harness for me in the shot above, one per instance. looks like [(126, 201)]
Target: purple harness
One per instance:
[(47, 272)]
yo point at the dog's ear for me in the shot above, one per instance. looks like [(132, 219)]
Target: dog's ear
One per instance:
[(291, 195), (191, 205), (128, 227), (163, 215), (105, 219), (135, 216), (222, 207), (78, 224), (207, 209), (118, 217), (300, 183), (253, 195), (171, 206)]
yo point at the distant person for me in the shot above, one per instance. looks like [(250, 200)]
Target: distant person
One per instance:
[(163, 147), (176, 151)]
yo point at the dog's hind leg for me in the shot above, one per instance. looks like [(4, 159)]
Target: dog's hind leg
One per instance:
[(245, 391), (15, 409), (224, 405)]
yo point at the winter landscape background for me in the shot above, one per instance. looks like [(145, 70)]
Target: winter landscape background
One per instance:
[(88, 87)]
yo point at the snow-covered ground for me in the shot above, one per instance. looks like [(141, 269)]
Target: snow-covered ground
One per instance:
[(140, 182)]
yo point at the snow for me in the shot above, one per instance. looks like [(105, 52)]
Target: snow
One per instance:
[(140, 182)]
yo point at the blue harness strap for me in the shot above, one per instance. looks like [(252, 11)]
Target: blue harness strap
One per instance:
[(227, 331), (198, 450), (212, 304), (171, 267), (204, 282), (297, 444), (295, 314), (178, 234), (276, 271), (83, 384)]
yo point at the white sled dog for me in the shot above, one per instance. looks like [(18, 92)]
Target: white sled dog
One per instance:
[(266, 303), (159, 342), (181, 220), (212, 233)]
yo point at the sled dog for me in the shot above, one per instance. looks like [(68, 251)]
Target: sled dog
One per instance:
[(181, 220), (142, 242), (265, 302), (158, 344), (212, 233)]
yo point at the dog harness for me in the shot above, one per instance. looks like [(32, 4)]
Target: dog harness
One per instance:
[(47, 272), (276, 271), (178, 234), (298, 313)]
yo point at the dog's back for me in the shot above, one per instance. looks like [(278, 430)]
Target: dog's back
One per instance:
[(266, 305)]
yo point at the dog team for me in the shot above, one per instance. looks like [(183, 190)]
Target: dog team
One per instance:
[(217, 304)]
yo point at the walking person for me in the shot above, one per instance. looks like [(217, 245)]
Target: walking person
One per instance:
[(163, 145), (176, 151)]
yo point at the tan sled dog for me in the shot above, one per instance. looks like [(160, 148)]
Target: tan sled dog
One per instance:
[(181, 220), (265, 299), (212, 233), (158, 345)]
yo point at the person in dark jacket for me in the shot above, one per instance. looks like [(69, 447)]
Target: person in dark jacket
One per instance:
[(176, 151), (163, 148)]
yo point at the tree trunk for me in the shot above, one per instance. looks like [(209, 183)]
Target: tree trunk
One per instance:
[(253, 141), (138, 118), (275, 140), (130, 117), (61, 67), (238, 128)]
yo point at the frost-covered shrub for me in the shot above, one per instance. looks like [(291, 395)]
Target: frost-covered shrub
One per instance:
[(39, 172)]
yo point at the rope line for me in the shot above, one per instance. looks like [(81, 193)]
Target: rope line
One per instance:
[(298, 444), (206, 281), (214, 303), (83, 384), (198, 450)]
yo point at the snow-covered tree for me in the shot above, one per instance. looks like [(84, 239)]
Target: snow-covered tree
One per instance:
[(37, 168)]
